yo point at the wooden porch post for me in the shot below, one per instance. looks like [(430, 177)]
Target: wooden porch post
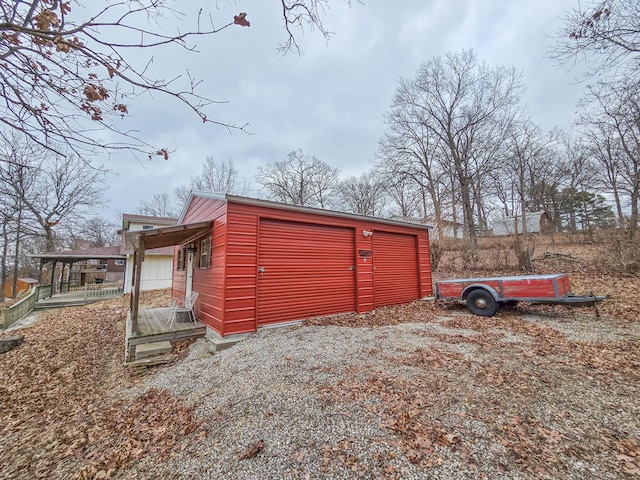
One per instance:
[(64, 265), (133, 278), (53, 277), (137, 275), (40, 271)]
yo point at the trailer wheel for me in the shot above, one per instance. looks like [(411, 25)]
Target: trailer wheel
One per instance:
[(481, 302)]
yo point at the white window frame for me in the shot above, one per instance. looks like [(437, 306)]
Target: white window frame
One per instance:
[(205, 253)]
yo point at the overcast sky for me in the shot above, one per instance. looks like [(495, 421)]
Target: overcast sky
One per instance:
[(330, 100)]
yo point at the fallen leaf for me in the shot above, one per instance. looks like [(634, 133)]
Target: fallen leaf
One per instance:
[(253, 450)]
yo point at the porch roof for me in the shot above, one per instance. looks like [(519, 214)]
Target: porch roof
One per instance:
[(167, 236), (79, 255)]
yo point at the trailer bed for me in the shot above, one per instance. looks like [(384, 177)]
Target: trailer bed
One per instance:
[(484, 296)]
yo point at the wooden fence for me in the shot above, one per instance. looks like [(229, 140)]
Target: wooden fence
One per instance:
[(71, 287), (19, 310), (98, 290)]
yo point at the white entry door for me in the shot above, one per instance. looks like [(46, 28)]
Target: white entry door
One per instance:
[(189, 285)]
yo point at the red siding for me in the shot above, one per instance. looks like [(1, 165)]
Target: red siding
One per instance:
[(240, 287), (325, 265), (395, 275), (208, 282), (309, 271)]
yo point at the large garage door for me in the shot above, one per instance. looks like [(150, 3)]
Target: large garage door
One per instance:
[(395, 274), (304, 270)]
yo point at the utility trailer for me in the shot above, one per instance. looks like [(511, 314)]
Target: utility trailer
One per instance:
[(484, 296)]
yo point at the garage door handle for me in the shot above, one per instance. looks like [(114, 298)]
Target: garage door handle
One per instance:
[(260, 270), (352, 268)]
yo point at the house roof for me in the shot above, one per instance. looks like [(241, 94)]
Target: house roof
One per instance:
[(127, 218), (225, 197), (168, 250), (167, 236), (83, 254), (511, 224)]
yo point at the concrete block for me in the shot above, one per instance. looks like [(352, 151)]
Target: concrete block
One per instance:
[(10, 342), (217, 342), (147, 350)]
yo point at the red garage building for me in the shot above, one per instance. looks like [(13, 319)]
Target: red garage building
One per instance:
[(256, 262)]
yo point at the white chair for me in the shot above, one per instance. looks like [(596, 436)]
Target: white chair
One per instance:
[(187, 306)]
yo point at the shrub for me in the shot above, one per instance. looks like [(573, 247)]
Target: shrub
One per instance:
[(617, 253)]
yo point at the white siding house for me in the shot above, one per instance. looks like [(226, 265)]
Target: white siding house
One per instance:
[(537, 222), (157, 267)]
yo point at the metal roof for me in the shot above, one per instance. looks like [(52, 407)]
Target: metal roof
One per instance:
[(225, 197)]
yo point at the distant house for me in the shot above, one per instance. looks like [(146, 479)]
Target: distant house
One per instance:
[(447, 229), (537, 222), (157, 267), (437, 230), (22, 285)]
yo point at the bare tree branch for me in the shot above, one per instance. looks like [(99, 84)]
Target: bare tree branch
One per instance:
[(299, 180), (605, 36), (67, 69)]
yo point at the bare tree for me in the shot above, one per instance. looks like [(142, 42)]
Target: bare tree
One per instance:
[(214, 176), (605, 35), (577, 174), (527, 149), (405, 197), (614, 109), (606, 149), (408, 153), (465, 108), (97, 232), (49, 190), (299, 180), (219, 177), (363, 195), (9, 234), (160, 205), (69, 68)]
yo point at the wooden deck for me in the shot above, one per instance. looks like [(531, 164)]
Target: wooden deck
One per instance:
[(153, 326)]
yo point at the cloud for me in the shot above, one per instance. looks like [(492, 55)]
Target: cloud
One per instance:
[(330, 101)]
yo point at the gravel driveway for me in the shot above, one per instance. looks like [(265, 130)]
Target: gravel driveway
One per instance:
[(450, 396)]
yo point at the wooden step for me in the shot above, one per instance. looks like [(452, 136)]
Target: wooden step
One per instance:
[(147, 350), (140, 366)]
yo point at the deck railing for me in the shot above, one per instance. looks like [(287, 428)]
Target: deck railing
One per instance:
[(42, 292), (19, 310), (97, 290)]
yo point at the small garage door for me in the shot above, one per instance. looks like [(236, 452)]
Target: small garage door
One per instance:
[(304, 270), (395, 274)]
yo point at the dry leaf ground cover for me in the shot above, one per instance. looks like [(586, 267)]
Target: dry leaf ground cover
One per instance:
[(61, 408), (414, 391)]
